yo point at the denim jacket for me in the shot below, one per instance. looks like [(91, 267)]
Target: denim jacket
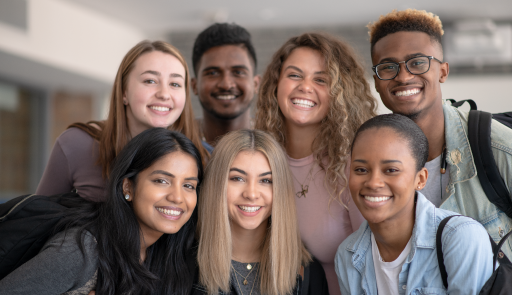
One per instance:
[(466, 249), (464, 192)]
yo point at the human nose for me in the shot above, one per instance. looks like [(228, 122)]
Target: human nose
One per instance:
[(306, 86), (251, 191), (226, 82), (175, 194), (374, 181), (164, 92), (403, 74)]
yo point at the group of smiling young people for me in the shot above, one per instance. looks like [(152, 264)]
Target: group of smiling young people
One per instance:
[(316, 168)]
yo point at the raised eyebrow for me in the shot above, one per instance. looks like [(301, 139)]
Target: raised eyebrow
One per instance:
[(266, 173), (163, 172), (238, 170)]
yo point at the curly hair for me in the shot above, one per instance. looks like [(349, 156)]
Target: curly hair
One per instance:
[(351, 104), (409, 20)]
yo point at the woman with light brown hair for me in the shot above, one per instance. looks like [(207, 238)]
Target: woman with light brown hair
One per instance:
[(151, 89), (313, 97), (249, 241)]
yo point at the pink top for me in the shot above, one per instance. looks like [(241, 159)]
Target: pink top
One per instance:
[(322, 228)]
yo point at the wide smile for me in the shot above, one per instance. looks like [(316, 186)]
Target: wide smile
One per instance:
[(408, 93), (249, 210), (171, 213), (375, 201), (303, 103), (162, 109)]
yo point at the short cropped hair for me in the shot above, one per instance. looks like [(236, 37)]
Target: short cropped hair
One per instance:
[(406, 129), (220, 34), (410, 20)]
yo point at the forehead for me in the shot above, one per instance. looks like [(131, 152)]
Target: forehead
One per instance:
[(391, 145), (400, 45), (159, 61), (251, 161), (305, 57), (226, 56)]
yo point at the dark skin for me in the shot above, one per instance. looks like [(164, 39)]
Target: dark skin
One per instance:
[(424, 105), (226, 85)]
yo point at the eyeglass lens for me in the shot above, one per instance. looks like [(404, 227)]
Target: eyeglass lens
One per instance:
[(416, 66)]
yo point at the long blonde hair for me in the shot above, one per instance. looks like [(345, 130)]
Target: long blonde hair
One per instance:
[(113, 134), (350, 106), (283, 251)]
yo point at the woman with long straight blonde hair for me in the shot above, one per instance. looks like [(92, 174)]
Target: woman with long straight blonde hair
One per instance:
[(151, 89), (313, 97), (249, 241)]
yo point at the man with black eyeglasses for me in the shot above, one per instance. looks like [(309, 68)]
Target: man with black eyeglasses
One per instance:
[(409, 68)]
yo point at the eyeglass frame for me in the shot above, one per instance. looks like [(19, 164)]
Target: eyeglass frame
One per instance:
[(430, 58)]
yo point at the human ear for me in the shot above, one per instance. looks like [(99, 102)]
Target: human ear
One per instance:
[(127, 189), (421, 178), (193, 84), (444, 71), (256, 80)]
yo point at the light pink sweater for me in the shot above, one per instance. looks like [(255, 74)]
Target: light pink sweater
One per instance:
[(322, 228)]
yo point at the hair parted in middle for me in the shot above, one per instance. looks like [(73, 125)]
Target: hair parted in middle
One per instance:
[(283, 251), (351, 104)]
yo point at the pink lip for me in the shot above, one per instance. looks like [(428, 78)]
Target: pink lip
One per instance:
[(249, 214), (169, 216)]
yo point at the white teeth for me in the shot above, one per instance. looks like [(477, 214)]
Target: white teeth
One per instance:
[(226, 97), (162, 109), (376, 199), (169, 212), (249, 209), (303, 103), (408, 92)]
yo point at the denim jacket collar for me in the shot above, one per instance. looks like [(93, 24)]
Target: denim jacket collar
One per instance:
[(423, 236), (459, 155)]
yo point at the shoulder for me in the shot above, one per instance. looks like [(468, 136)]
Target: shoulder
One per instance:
[(462, 227), (75, 139), (501, 137), (354, 247)]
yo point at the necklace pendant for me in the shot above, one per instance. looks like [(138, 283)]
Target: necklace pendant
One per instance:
[(246, 282), (249, 266)]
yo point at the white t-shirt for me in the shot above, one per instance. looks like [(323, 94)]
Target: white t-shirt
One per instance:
[(387, 272), (435, 189)]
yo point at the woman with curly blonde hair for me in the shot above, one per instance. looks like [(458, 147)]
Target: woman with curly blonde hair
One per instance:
[(313, 97)]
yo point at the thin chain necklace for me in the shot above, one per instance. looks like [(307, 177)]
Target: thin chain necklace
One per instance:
[(245, 280), (304, 188)]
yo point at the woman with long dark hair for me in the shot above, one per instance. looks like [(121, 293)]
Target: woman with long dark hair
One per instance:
[(139, 240)]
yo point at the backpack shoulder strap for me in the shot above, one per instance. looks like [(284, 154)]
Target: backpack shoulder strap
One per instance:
[(472, 103), (479, 134), (439, 248)]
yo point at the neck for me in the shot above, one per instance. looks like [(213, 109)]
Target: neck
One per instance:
[(393, 235), (433, 127), (248, 244), (145, 242), (299, 140), (213, 127)]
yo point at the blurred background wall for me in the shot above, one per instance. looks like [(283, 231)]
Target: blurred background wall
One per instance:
[(58, 58)]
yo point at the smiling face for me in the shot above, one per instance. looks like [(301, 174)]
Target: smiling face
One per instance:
[(408, 94), (383, 180), (155, 92), (164, 195), (249, 191), (303, 88), (225, 81)]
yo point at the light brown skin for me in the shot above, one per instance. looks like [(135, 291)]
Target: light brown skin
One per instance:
[(225, 70), (427, 104)]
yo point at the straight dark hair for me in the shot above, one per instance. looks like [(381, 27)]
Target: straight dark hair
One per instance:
[(169, 265)]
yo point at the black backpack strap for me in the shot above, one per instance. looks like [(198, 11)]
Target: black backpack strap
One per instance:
[(439, 248), (472, 103), (479, 134)]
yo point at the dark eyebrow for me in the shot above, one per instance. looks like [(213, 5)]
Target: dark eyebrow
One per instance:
[(210, 68), (383, 161), (174, 75), (238, 170), (172, 175), (360, 161), (408, 56), (240, 67), (294, 68), (192, 178), (266, 173)]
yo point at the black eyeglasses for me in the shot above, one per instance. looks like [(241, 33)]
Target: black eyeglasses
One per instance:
[(417, 65)]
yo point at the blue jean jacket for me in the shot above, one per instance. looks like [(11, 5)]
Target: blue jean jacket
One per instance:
[(464, 192), (466, 249)]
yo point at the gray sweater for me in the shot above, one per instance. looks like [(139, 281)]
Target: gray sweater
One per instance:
[(59, 268)]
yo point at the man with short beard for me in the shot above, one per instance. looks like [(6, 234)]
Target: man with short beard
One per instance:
[(224, 62), (407, 58)]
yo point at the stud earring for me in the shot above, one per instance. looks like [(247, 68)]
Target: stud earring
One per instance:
[(127, 196)]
